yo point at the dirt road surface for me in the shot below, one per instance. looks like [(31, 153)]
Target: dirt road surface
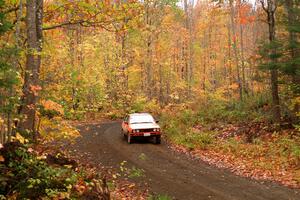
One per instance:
[(171, 173)]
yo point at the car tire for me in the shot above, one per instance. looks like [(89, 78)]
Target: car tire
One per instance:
[(157, 140), (129, 139)]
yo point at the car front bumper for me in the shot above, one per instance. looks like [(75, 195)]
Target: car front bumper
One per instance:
[(145, 134)]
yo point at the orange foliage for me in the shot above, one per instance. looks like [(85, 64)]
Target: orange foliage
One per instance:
[(51, 105)]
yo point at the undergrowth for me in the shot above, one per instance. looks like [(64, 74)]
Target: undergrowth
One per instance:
[(242, 131), (28, 173), (25, 175)]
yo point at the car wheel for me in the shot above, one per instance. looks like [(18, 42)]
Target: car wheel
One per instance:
[(129, 139), (157, 139)]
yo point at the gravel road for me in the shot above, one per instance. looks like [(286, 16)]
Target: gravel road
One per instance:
[(170, 173)]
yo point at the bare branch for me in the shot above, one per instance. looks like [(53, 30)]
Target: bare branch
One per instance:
[(84, 23), (276, 5), (263, 6), (61, 25), (11, 10)]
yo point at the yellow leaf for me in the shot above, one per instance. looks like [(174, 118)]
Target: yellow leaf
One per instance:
[(68, 166), (20, 138)]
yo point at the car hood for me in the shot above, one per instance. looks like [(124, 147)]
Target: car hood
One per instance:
[(144, 126)]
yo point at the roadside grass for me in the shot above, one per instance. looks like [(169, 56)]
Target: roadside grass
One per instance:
[(277, 158), (132, 172), (159, 197), (136, 172), (111, 185), (193, 140), (239, 133), (142, 157)]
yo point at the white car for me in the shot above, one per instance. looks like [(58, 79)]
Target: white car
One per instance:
[(141, 125)]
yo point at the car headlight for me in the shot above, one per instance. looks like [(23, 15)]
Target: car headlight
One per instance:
[(137, 131)]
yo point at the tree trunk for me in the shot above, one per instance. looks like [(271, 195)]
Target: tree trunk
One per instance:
[(232, 14), (188, 9), (229, 72), (270, 10), (148, 59), (245, 90), (34, 18)]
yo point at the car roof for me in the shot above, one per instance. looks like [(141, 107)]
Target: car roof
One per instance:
[(140, 114)]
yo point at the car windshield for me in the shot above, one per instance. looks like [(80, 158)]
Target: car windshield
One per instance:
[(138, 119)]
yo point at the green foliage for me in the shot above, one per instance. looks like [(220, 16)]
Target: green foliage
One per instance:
[(289, 147), (187, 117), (6, 73), (49, 113), (9, 76), (27, 176), (291, 45), (136, 172), (231, 145), (200, 140), (141, 104), (132, 172), (172, 3), (159, 197), (142, 157), (74, 114), (252, 108), (178, 129), (270, 53), (4, 24)]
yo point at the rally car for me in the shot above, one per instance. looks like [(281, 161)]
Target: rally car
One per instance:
[(141, 125)]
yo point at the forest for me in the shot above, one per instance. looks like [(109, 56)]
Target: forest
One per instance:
[(222, 77)]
